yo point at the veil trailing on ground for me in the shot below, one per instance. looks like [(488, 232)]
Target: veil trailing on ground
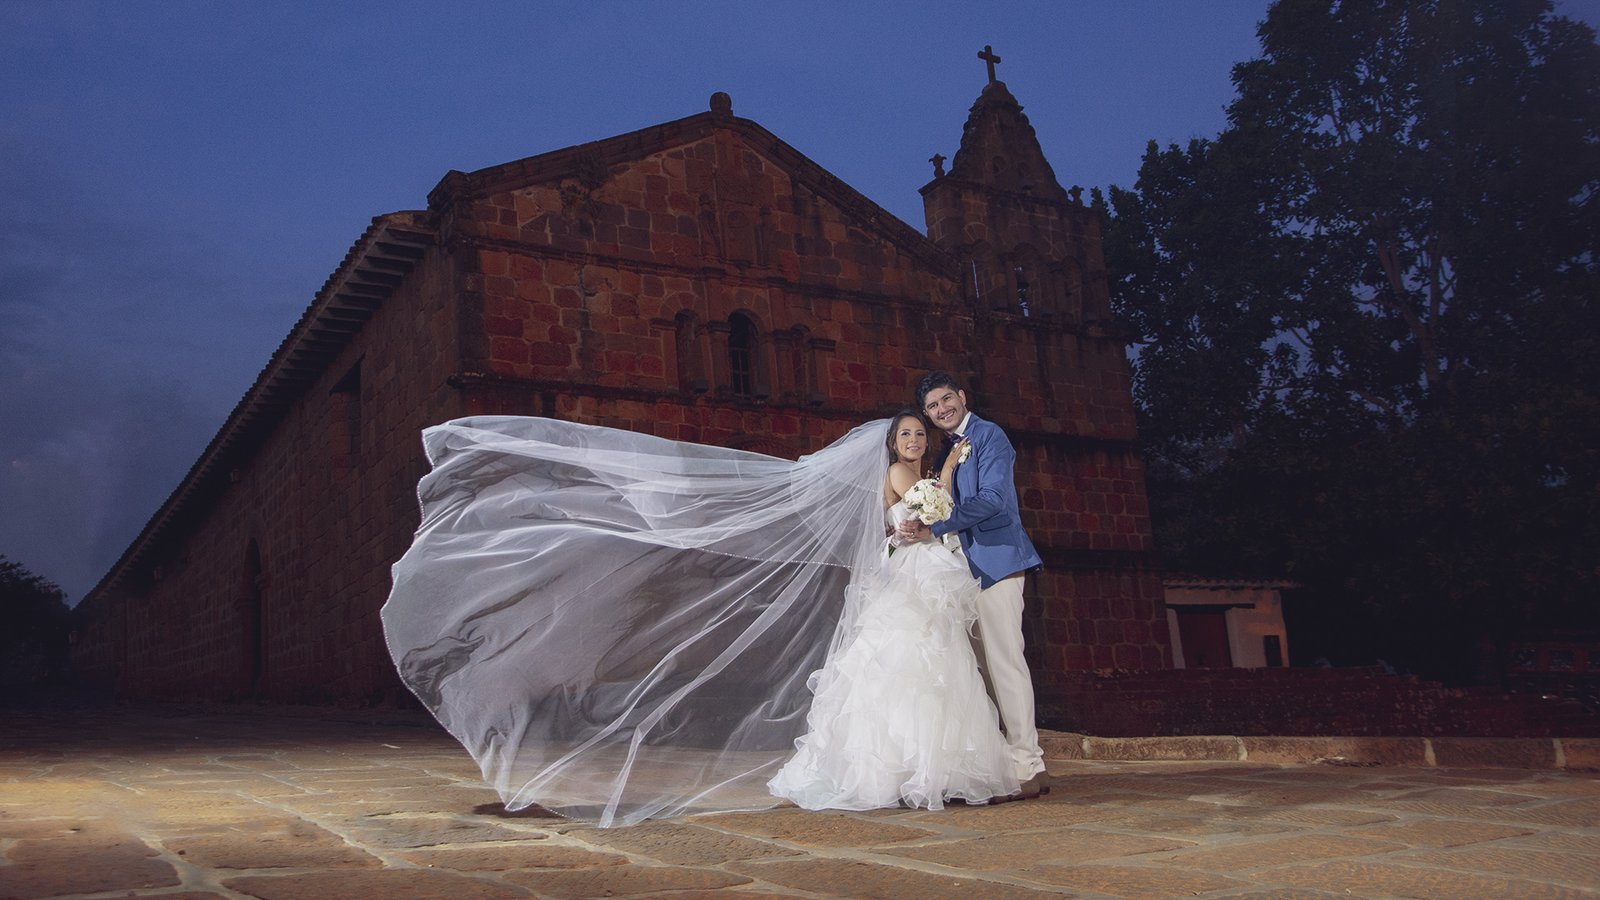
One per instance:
[(618, 626)]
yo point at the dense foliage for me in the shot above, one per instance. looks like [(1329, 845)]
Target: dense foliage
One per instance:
[(1365, 328), (34, 623)]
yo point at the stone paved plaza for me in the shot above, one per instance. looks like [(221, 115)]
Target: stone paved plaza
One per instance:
[(240, 802)]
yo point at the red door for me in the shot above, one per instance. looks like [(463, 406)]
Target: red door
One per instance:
[(1204, 636)]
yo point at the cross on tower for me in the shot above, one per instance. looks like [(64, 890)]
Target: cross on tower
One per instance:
[(989, 57)]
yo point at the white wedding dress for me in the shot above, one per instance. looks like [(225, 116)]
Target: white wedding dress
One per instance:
[(619, 627), (899, 713)]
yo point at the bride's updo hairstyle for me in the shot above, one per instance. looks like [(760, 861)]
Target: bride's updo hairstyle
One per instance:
[(894, 426)]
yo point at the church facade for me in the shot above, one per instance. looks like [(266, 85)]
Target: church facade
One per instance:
[(699, 280)]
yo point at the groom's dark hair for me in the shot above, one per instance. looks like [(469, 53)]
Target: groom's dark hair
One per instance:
[(932, 382)]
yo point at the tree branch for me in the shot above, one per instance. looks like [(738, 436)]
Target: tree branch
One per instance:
[(1388, 258)]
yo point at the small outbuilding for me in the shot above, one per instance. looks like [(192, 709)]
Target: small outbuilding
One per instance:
[(1220, 623)]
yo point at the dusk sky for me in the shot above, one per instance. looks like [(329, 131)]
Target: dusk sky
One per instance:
[(179, 178)]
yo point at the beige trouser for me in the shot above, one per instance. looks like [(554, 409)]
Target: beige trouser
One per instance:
[(1000, 633)]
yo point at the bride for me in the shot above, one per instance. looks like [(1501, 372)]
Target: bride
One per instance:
[(618, 626), (900, 716)]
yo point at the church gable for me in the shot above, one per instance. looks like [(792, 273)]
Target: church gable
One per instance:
[(1032, 248), (1000, 150), (705, 257), (711, 188)]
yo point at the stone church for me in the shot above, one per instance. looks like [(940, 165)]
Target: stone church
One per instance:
[(699, 279)]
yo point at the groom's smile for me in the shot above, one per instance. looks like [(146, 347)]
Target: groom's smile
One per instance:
[(946, 407)]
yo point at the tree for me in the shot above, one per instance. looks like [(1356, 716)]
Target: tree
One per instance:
[(33, 641), (1364, 320)]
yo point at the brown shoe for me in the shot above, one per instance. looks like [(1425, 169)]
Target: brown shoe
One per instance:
[(1029, 790)]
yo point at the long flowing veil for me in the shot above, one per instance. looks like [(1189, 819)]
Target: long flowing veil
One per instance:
[(618, 626)]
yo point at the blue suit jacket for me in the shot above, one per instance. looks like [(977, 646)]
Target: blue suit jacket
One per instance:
[(986, 515)]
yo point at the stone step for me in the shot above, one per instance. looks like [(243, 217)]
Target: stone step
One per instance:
[(1573, 754)]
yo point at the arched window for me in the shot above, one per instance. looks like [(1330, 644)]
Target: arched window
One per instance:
[(991, 277), (1032, 291), (741, 355)]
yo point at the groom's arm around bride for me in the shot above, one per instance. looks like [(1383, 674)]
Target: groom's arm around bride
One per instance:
[(986, 515), (988, 520)]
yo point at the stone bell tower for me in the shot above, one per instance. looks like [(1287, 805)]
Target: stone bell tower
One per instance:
[(1026, 245), (1044, 362)]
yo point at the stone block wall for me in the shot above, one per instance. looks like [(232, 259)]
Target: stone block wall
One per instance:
[(274, 591), (633, 334), (1363, 702), (631, 283)]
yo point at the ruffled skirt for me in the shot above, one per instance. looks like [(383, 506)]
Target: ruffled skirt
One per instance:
[(900, 714)]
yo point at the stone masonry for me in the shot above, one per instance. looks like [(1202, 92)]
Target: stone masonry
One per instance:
[(244, 803), (700, 280)]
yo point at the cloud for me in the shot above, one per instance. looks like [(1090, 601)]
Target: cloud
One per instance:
[(89, 450), (98, 420)]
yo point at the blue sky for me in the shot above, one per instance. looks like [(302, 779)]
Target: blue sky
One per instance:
[(180, 177)]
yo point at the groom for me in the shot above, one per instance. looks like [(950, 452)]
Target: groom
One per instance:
[(999, 553)]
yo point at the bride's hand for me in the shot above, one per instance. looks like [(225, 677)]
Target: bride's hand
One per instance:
[(913, 530)]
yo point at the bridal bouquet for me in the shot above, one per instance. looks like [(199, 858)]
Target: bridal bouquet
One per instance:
[(930, 501)]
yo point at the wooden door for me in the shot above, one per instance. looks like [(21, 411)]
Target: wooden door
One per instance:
[(1204, 636)]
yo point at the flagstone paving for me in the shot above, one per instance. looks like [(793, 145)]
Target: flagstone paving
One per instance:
[(241, 802)]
